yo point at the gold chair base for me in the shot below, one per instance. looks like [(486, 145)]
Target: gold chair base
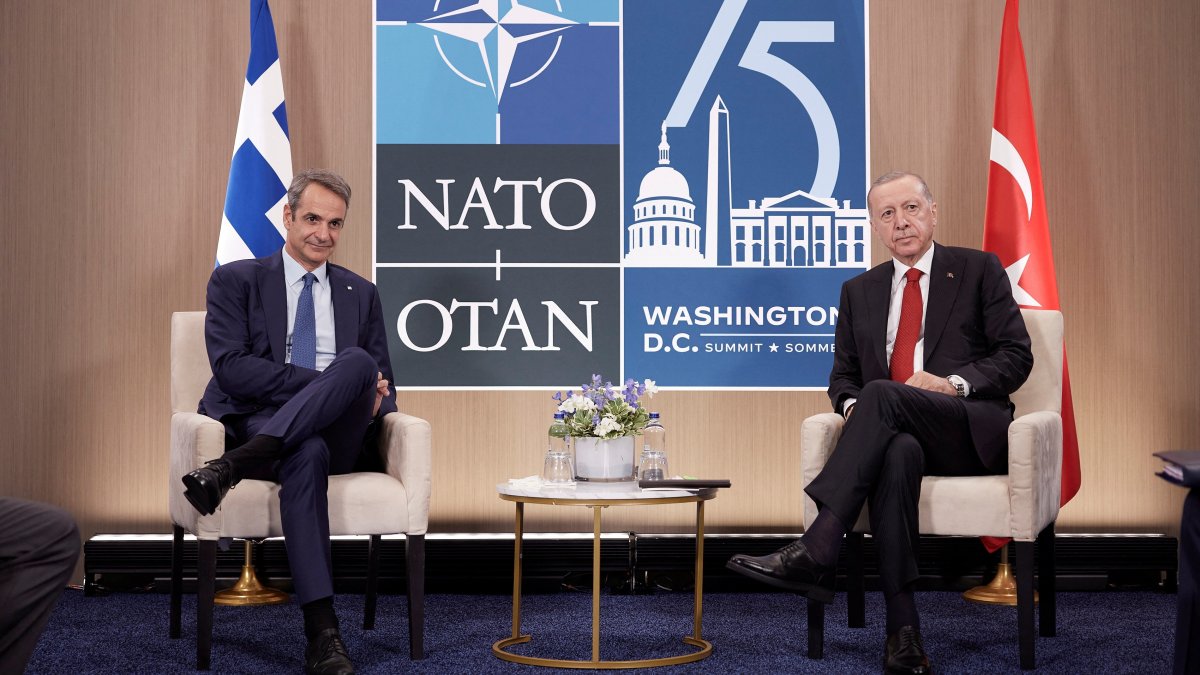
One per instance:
[(597, 664), (248, 591), (1001, 590)]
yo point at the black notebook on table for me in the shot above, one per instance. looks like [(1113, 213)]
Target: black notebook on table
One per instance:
[(1181, 467)]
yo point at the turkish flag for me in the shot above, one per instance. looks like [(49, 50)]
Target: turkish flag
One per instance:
[(1015, 225)]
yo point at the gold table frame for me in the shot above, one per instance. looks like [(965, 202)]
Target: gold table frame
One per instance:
[(705, 647)]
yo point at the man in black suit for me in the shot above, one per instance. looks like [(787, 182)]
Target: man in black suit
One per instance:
[(39, 546), (928, 347), (1187, 621), (300, 379)]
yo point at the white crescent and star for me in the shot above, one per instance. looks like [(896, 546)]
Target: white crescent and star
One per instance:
[(1005, 154)]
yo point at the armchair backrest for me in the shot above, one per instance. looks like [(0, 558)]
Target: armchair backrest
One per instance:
[(190, 371), (1043, 389)]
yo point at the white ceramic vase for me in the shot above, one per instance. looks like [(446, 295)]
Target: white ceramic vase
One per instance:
[(604, 460)]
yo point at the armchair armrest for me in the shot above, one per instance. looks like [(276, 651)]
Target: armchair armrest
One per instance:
[(1035, 444), (195, 439), (819, 434), (407, 454)]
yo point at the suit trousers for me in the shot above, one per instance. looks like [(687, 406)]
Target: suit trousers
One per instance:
[(1187, 621), (895, 434), (39, 546), (322, 429)]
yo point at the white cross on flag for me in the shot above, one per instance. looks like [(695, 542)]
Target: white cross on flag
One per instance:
[(252, 222), (1015, 224)]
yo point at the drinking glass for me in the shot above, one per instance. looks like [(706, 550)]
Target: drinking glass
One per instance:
[(654, 465), (558, 468)]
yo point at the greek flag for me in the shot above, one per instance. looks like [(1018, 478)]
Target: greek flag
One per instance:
[(252, 224)]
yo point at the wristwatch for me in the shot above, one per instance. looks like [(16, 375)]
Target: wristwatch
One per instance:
[(959, 384)]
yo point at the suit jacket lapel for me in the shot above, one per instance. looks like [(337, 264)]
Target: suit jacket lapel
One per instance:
[(273, 291), (879, 294), (945, 279), (345, 308)]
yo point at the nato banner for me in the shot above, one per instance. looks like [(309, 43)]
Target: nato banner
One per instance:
[(671, 189)]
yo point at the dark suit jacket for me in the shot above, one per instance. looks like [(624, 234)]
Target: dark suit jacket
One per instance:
[(246, 334), (973, 328)]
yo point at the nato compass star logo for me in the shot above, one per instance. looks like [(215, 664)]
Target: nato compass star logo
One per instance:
[(500, 35), (497, 71)]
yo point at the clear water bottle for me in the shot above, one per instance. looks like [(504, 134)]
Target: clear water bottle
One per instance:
[(559, 466), (654, 450)]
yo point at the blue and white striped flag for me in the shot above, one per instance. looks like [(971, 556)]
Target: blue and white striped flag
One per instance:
[(252, 224)]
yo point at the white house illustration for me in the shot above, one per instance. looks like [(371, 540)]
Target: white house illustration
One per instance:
[(795, 230)]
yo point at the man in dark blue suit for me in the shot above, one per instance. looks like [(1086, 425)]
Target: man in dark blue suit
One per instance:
[(928, 347), (300, 380)]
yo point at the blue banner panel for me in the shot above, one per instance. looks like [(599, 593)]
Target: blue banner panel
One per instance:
[(742, 328), (745, 174), (665, 189)]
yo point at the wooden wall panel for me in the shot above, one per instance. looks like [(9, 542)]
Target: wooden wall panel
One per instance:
[(118, 120)]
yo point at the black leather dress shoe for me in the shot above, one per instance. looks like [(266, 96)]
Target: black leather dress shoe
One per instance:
[(791, 567), (327, 655), (206, 487), (905, 653)]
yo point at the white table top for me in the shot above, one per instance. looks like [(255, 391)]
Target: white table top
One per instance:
[(584, 490)]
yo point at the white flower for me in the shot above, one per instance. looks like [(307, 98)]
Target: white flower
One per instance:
[(651, 387), (577, 402), (608, 424)]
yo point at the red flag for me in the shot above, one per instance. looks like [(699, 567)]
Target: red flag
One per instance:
[(1015, 225)]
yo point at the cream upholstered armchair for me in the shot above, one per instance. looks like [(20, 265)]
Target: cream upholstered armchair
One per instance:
[(1021, 505), (359, 503)]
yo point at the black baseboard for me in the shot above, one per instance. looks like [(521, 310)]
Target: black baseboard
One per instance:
[(629, 562)]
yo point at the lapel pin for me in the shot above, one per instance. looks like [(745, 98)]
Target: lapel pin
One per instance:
[(349, 288), (949, 275)]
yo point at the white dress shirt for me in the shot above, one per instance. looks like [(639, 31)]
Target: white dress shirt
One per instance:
[(893, 322), (293, 278), (925, 264)]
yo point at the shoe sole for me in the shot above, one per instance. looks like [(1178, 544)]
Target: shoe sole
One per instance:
[(810, 591), (196, 496)]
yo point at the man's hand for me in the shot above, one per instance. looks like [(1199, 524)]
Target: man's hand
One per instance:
[(930, 382), (381, 392)]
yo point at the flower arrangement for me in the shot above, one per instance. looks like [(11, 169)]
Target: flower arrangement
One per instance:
[(601, 410)]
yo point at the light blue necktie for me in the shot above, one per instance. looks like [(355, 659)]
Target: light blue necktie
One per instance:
[(304, 332)]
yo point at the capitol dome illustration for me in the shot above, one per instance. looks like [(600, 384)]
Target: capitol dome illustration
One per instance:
[(664, 230)]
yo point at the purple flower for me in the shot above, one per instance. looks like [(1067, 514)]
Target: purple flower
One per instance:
[(557, 396), (595, 420)]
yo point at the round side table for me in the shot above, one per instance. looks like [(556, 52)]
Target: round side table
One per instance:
[(597, 497)]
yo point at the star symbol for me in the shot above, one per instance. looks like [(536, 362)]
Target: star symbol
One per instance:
[(478, 23), (774, 347), (1014, 272)]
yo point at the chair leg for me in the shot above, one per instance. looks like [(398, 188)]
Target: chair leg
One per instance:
[(1047, 583), (206, 580), (414, 556), (176, 580), (856, 590), (816, 629), (1025, 601), (372, 581)]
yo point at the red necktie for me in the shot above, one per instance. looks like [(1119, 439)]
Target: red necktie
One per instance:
[(909, 330)]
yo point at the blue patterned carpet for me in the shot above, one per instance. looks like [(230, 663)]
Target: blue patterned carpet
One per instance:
[(1111, 632)]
